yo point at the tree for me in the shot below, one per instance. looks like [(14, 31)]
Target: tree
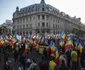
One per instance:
[(4, 30), (75, 30)]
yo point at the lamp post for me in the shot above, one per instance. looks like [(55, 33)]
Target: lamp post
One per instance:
[(11, 30)]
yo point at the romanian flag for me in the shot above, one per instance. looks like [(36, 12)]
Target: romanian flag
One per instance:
[(34, 44), (70, 38), (57, 57), (63, 36), (31, 42), (42, 40), (14, 40), (26, 47), (61, 42), (46, 41), (77, 42), (37, 48), (68, 44), (53, 49), (51, 43), (81, 45)]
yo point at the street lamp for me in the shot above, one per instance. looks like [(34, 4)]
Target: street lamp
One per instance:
[(11, 30)]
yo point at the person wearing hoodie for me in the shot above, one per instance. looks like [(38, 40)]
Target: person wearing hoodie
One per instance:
[(33, 65), (28, 63), (62, 57)]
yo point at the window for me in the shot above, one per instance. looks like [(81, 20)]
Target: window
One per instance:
[(33, 17), (47, 24), (23, 26), (14, 27), (43, 17), (30, 19), (56, 26), (38, 24), (20, 20), (43, 24), (42, 9), (47, 17), (36, 9), (38, 17), (38, 31), (53, 25), (26, 25), (23, 20), (26, 19), (20, 26), (30, 25)]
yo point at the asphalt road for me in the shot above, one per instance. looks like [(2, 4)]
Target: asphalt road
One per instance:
[(30, 55)]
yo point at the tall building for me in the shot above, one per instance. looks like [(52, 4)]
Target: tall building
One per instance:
[(7, 24), (43, 18)]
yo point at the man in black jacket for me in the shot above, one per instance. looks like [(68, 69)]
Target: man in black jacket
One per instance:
[(82, 58), (62, 66)]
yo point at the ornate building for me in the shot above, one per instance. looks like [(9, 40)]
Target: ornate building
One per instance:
[(43, 18)]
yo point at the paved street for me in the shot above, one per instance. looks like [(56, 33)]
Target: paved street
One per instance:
[(31, 55)]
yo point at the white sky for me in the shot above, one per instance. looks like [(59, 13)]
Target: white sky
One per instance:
[(71, 7)]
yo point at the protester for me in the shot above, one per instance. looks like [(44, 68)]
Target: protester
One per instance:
[(62, 57), (52, 64), (68, 56), (28, 62), (74, 59), (63, 66), (22, 60), (16, 53), (49, 52), (43, 65), (60, 60), (82, 58), (33, 65), (45, 53), (20, 67)]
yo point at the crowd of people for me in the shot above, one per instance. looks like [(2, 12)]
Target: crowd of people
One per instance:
[(52, 59)]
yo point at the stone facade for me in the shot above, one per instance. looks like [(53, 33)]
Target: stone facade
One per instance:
[(43, 18)]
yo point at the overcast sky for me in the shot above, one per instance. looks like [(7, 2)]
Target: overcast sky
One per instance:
[(71, 7)]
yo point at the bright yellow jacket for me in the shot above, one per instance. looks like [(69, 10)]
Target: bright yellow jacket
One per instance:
[(74, 56), (52, 65)]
